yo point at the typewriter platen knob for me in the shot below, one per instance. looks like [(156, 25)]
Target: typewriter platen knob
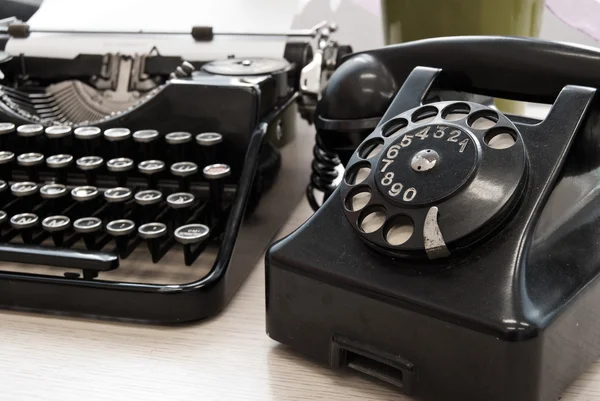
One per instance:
[(434, 179)]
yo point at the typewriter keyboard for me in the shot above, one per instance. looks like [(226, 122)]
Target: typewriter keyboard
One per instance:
[(111, 204)]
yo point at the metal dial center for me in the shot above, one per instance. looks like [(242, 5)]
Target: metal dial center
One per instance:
[(425, 160)]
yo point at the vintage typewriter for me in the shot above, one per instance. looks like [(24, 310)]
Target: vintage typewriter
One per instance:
[(458, 257), (145, 187)]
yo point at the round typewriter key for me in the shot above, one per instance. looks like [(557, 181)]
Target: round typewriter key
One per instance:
[(215, 173), (191, 233), (3, 217), (180, 200), (117, 134), (59, 161), (89, 162), (3, 186), (147, 142), (178, 142), (87, 225), (23, 221), (29, 130), (58, 131), (6, 128), (184, 169), (6, 157), (119, 164), (151, 166), (30, 159), (84, 193), (209, 141), (90, 166), (56, 226), (148, 197), (24, 188), (87, 132), (117, 198), (56, 223), (53, 191), (145, 135), (120, 227), (152, 169), (88, 136), (209, 138), (31, 162), (178, 138), (118, 194), (152, 230)]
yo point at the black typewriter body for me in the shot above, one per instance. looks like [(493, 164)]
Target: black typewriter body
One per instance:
[(493, 293), (231, 188)]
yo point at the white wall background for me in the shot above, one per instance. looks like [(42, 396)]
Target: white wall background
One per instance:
[(371, 35)]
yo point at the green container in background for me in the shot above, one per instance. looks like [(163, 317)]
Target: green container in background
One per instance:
[(408, 20)]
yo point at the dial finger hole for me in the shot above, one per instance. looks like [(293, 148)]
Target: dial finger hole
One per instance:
[(358, 173), (393, 127), (501, 138), (456, 111), (424, 114), (372, 219), (399, 230), (483, 120), (358, 199), (371, 148)]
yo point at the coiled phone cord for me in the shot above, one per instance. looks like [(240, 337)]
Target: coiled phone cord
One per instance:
[(324, 173)]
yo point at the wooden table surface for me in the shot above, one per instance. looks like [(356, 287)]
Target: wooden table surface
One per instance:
[(226, 358)]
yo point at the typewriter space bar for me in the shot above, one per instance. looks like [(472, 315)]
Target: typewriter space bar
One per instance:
[(88, 261)]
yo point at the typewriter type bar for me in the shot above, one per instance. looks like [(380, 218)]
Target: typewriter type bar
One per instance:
[(89, 214)]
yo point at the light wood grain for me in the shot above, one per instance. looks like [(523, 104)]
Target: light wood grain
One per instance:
[(226, 358)]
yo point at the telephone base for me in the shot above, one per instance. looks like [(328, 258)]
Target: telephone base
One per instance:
[(425, 356)]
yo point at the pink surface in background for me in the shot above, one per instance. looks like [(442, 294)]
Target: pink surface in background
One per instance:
[(583, 15)]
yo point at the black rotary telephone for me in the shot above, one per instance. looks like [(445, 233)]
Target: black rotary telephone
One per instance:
[(458, 259)]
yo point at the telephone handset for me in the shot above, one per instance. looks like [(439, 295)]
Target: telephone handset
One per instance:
[(457, 258)]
